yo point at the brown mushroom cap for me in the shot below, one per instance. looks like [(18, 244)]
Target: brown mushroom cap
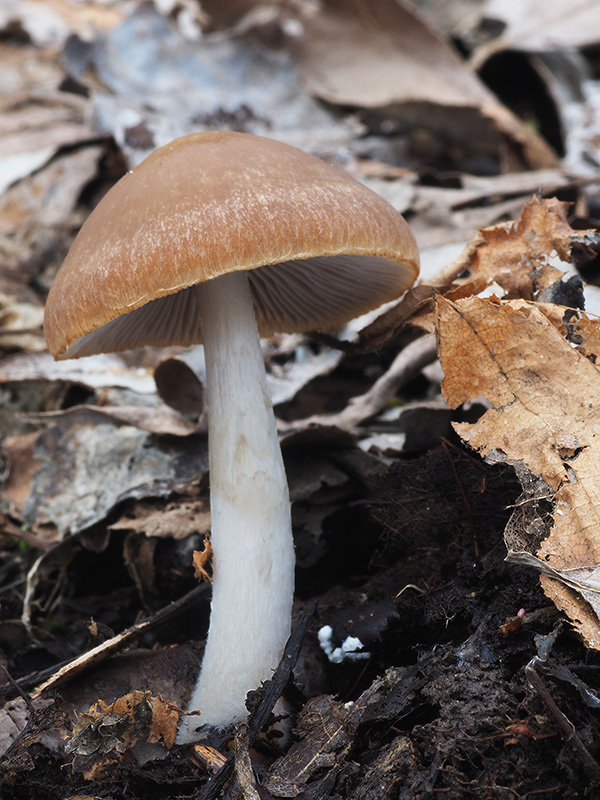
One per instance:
[(321, 247)]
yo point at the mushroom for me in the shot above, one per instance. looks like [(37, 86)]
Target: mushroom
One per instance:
[(220, 237)]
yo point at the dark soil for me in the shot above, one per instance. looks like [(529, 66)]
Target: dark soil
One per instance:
[(474, 686)]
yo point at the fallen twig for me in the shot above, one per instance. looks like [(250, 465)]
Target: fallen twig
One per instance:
[(566, 727), (408, 363), (92, 657)]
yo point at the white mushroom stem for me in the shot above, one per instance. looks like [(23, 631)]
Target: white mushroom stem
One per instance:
[(252, 540)]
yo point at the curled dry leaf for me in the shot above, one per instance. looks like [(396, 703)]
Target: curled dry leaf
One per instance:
[(544, 414), (514, 256), (425, 83), (580, 329), (109, 730), (381, 330), (509, 253), (179, 387)]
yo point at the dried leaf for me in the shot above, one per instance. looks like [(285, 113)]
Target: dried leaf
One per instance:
[(580, 329), (96, 372), (34, 128), (541, 25), (105, 732), (48, 197), (178, 386), (19, 317), (515, 255), (37, 218), (22, 466), (18, 719), (160, 421), (567, 588), (424, 84), (544, 414), (540, 389), (176, 521), (382, 329), (163, 85), (86, 471)]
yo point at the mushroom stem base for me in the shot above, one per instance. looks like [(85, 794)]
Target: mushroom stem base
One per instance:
[(252, 539)]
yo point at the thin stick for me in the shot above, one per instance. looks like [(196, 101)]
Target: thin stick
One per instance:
[(407, 364), (92, 657), (567, 729)]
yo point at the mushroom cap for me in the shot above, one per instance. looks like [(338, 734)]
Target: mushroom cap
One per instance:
[(320, 247)]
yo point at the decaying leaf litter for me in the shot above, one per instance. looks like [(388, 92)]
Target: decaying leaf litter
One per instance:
[(431, 664)]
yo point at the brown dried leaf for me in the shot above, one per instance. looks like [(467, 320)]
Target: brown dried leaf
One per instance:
[(513, 255), (381, 330), (510, 253), (164, 672), (106, 731), (544, 414), (580, 329), (424, 317), (512, 355), (175, 521), (424, 84)]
